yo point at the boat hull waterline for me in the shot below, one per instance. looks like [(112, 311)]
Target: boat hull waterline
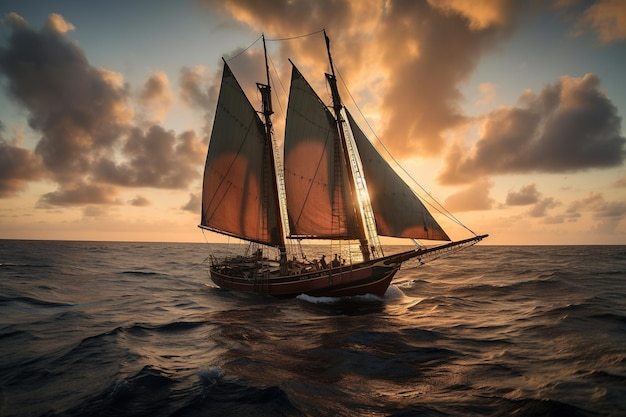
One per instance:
[(343, 281)]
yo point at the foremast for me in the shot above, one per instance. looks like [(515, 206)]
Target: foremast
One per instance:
[(267, 111), (338, 110)]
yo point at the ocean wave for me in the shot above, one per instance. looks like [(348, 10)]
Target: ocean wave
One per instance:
[(118, 329), (32, 301), (139, 273)]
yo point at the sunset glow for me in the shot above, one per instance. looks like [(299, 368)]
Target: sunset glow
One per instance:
[(508, 113)]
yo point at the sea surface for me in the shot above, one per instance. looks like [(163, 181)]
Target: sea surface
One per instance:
[(132, 329)]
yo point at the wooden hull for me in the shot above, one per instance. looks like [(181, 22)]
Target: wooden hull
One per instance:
[(261, 276), (359, 279)]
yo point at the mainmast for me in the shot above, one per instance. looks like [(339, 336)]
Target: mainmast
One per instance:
[(337, 107), (266, 99)]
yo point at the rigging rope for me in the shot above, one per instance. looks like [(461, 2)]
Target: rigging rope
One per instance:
[(294, 37), (272, 40), (439, 206), (242, 52)]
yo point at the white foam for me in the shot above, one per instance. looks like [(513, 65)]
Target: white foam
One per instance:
[(211, 374), (393, 293), (318, 300), (335, 300)]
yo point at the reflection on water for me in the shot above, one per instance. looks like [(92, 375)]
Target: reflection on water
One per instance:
[(138, 329)]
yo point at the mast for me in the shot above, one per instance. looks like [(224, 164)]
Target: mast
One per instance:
[(337, 107), (266, 98)]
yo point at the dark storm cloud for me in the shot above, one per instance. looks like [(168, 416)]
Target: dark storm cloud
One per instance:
[(569, 126), (156, 158), (18, 166), (80, 110)]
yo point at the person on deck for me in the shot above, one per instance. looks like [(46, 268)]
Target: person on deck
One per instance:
[(335, 263), (323, 262)]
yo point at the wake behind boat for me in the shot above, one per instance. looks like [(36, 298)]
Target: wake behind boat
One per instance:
[(332, 185)]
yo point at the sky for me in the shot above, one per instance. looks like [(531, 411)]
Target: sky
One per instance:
[(509, 113)]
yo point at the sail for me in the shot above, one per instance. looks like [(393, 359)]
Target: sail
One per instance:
[(397, 210), (239, 192), (318, 202)]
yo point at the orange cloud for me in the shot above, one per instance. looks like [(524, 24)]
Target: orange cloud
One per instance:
[(392, 55), (473, 197), (57, 23), (139, 201), (80, 194), (480, 13), (18, 166), (156, 96), (488, 91), (607, 18), (608, 214)]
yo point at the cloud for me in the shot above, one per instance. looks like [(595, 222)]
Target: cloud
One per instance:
[(542, 206), (423, 99), (608, 214), (197, 88), (488, 92), (80, 110), (80, 194), (481, 14), (95, 211), (559, 219), (601, 209), (89, 144), (473, 197), (621, 182), (607, 18), (528, 194), (156, 158), (409, 58), (139, 201), (156, 96), (56, 23), (569, 126), (194, 204), (18, 166)]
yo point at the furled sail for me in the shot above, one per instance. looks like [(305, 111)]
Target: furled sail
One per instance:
[(318, 202), (397, 210), (239, 193)]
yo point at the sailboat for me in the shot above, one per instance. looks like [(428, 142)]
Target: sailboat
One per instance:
[(332, 185)]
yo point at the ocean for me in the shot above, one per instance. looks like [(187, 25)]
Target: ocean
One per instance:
[(134, 329)]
